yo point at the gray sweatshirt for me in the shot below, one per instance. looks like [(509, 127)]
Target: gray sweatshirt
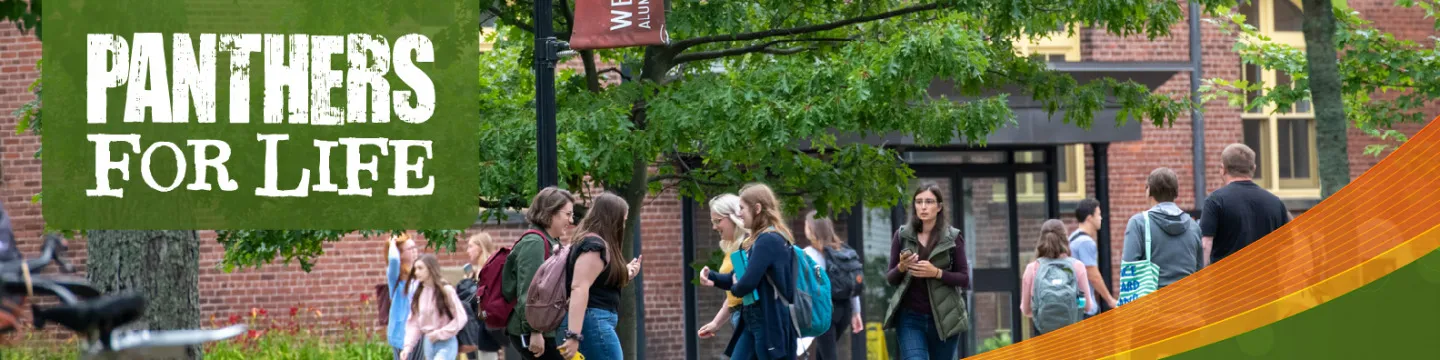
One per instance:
[(1174, 241)]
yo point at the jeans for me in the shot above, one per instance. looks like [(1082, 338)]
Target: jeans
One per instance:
[(601, 342), (445, 349), (919, 340), (753, 337)]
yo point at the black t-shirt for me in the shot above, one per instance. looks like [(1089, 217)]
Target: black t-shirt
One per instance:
[(603, 294), (1239, 214)]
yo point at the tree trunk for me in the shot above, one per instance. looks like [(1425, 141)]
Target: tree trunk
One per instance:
[(164, 266), (657, 62), (1330, 123)]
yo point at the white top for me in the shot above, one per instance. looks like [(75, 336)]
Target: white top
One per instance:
[(820, 259)]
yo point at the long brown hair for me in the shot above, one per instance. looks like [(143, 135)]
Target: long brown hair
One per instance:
[(607, 219), (942, 218), (822, 232), (757, 194), (1052, 240), (442, 302)]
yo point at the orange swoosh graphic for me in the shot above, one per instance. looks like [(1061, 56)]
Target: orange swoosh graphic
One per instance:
[(1393, 202)]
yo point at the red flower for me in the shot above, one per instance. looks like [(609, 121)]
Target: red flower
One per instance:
[(294, 310), (263, 312), (364, 298), (234, 319)]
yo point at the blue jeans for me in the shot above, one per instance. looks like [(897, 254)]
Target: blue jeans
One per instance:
[(752, 338), (601, 341), (448, 349), (919, 340)]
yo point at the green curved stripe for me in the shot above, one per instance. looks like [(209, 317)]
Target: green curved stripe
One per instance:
[(1395, 317)]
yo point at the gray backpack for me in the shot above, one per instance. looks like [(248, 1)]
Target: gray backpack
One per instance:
[(1053, 296)]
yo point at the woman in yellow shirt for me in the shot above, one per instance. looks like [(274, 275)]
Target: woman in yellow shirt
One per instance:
[(725, 219)]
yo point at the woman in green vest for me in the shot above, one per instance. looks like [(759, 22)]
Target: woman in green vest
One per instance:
[(929, 268)]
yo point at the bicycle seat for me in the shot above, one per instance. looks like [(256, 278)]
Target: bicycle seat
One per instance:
[(101, 315)]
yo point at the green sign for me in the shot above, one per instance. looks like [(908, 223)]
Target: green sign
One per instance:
[(267, 114)]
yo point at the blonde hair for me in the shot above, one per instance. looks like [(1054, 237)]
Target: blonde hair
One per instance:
[(486, 245), (758, 194), (728, 205)]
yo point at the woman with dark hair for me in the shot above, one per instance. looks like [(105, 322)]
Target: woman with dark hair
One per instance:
[(596, 279), (929, 268), (436, 314), (765, 273), (549, 215)]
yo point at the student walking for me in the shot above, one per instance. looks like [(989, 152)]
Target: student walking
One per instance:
[(1083, 248), (1173, 237), (1053, 282), (844, 268), (1241, 212), (436, 314), (402, 253), (549, 215), (725, 220), (487, 342), (596, 277), (765, 272), (929, 269)]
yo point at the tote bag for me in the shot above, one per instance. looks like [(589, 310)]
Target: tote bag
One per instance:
[(1139, 278)]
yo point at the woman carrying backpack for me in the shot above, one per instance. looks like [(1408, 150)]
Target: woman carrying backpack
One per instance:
[(1053, 282), (549, 215), (725, 219), (929, 269), (596, 278), (765, 331), (824, 247), (402, 253), (488, 342), (436, 314)]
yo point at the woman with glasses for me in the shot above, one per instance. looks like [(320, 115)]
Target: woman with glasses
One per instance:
[(929, 268)]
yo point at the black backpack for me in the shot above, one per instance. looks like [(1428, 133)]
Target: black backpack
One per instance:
[(846, 272)]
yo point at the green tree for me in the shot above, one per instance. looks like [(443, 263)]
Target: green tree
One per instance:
[(758, 91), (1382, 81)]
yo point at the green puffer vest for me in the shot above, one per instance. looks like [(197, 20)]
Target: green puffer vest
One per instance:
[(947, 303)]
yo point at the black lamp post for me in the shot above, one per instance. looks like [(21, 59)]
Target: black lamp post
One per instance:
[(547, 54)]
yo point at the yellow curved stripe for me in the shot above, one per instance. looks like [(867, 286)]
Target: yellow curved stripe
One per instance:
[(1342, 243), (1295, 303)]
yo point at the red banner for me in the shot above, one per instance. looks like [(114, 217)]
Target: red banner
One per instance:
[(605, 24)]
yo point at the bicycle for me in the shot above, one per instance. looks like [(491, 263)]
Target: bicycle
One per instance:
[(97, 317)]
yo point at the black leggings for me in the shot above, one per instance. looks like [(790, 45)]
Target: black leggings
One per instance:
[(551, 352), (826, 345)]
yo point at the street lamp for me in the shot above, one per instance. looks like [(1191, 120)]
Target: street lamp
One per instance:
[(548, 50)]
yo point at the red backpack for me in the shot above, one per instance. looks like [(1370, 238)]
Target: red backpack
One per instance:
[(493, 305)]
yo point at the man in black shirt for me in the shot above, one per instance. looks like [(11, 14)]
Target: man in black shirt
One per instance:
[(1241, 212)]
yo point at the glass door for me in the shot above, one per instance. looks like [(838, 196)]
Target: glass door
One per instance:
[(986, 217)]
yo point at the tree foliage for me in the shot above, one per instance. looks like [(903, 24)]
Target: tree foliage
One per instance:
[(1385, 81)]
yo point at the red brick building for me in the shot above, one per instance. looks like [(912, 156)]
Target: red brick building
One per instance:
[(997, 237)]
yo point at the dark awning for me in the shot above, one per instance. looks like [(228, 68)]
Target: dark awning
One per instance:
[(1035, 127)]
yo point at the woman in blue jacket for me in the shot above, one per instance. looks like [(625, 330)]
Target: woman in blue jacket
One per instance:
[(765, 331)]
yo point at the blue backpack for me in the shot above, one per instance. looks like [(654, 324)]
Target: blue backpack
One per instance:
[(810, 317)]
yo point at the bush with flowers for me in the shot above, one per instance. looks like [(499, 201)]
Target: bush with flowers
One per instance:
[(302, 333)]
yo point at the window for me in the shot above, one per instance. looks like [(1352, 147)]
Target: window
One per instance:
[(1060, 45), (1283, 139), (1030, 187), (487, 29)]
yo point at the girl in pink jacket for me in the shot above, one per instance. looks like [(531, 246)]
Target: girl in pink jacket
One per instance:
[(436, 314)]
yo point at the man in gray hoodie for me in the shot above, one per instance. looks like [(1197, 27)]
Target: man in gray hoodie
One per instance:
[(1175, 241)]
